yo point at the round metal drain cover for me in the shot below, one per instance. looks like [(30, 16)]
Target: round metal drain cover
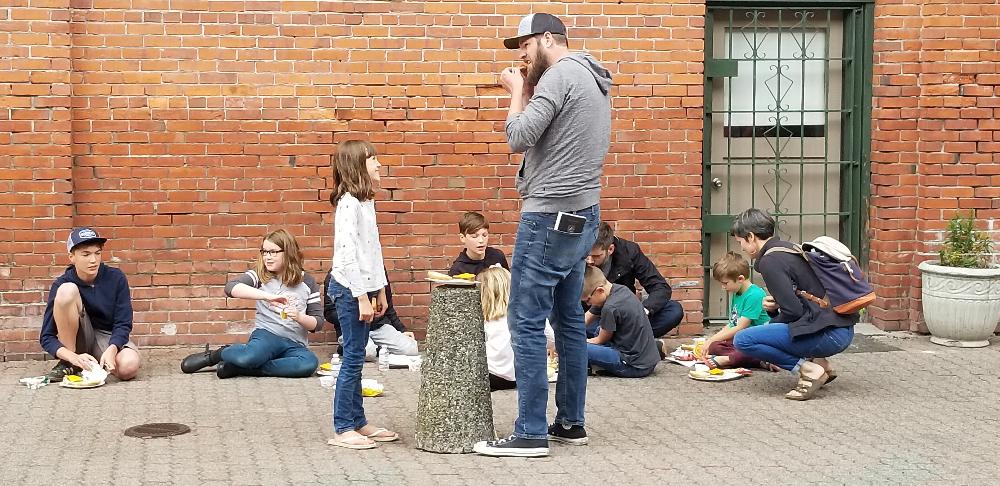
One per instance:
[(151, 431)]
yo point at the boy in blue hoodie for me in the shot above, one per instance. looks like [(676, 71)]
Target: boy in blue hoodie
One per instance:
[(88, 316)]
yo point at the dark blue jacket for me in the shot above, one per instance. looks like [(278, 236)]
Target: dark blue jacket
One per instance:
[(107, 301)]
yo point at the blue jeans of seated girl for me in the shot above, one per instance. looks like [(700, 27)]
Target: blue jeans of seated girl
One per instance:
[(267, 354), (348, 410), (773, 343)]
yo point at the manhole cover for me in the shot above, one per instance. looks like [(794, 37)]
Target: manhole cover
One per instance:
[(150, 431)]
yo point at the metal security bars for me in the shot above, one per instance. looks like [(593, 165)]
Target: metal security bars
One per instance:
[(787, 124)]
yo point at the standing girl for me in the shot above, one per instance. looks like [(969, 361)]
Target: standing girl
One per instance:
[(358, 279), (288, 308)]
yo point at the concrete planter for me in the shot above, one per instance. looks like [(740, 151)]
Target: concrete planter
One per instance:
[(961, 305)]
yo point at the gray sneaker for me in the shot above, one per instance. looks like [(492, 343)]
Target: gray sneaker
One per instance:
[(513, 447)]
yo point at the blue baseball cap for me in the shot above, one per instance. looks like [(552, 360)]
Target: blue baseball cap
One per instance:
[(82, 235), (535, 24)]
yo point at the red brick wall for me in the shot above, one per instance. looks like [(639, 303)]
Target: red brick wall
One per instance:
[(184, 135), (935, 141)]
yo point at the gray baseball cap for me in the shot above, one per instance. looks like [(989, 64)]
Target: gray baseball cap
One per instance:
[(534, 24), (83, 235)]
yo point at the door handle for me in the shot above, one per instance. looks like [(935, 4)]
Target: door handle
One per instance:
[(716, 182)]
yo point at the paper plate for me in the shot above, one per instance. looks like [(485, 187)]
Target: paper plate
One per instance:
[(82, 384), (727, 375), (454, 281)]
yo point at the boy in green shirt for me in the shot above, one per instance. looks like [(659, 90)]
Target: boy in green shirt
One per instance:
[(745, 310)]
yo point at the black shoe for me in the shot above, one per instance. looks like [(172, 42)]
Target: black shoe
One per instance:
[(61, 369), (197, 361), (513, 447), (225, 370), (574, 435), (661, 346)]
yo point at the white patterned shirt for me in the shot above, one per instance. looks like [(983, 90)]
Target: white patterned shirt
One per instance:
[(357, 252)]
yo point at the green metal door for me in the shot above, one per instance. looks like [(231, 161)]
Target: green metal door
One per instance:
[(787, 125)]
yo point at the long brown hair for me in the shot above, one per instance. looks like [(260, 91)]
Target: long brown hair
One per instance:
[(350, 172), (291, 273)]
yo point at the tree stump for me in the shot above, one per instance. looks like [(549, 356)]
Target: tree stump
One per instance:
[(454, 410)]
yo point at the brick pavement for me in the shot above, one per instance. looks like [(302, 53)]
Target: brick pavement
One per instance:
[(922, 415)]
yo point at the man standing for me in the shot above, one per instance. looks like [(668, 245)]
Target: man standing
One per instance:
[(560, 117), (623, 262)]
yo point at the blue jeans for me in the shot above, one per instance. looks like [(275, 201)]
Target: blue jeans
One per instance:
[(348, 410), (546, 281), (609, 359), (773, 343), (667, 318), (267, 354)]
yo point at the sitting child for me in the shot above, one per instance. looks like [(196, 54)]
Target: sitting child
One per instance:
[(745, 310), (624, 344), (288, 308), (386, 333), (474, 231), (494, 295)]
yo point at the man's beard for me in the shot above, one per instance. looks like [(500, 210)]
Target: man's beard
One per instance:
[(535, 70)]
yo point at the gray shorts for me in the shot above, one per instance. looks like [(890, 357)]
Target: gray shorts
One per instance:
[(94, 342)]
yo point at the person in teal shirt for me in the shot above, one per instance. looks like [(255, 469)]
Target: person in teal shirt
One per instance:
[(746, 309)]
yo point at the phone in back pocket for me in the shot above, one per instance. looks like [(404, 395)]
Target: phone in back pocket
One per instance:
[(570, 223)]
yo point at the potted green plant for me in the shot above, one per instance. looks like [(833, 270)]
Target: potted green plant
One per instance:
[(961, 290)]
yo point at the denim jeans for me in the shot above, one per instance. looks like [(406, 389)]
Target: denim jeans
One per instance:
[(667, 318), (546, 282), (773, 343), (607, 358), (267, 354), (348, 410)]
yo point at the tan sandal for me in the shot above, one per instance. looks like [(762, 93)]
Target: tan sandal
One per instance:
[(807, 388), (383, 435), (358, 442)]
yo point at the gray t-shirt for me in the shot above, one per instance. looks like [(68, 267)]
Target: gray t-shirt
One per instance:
[(304, 297), (624, 315)]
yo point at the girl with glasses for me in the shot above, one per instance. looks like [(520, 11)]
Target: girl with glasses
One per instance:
[(288, 309)]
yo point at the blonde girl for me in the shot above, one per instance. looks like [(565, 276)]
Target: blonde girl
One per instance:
[(494, 296)]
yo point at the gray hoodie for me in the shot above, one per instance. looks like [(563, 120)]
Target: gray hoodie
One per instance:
[(564, 133)]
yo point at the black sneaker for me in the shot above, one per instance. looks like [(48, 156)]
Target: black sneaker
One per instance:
[(661, 346), (513, 447), (574, 434), (61, 369)]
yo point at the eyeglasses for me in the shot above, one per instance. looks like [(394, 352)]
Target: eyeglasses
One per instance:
[(587, 300), (271, 252)]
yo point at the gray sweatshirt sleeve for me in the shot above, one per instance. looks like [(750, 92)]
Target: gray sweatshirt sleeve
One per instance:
[(525, 128), (248, 277), (314, 307)]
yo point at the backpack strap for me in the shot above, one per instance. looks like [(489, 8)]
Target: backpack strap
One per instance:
[(796, 250)]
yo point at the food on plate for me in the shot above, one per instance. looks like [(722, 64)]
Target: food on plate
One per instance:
[(465, 276), (438, 275), (73, 378), (325, 367), (716, 371)]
